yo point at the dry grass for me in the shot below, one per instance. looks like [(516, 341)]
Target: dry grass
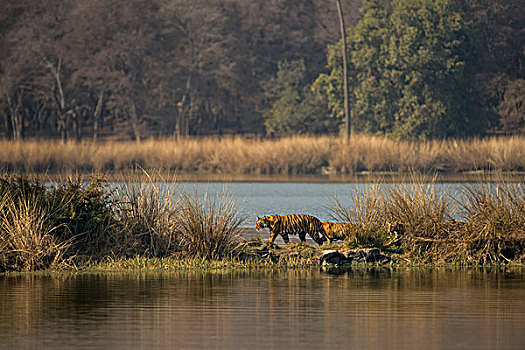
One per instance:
[(286, 156), (208, 226), (370, 208), (147, 214), (79, 223), (491, 231), (27, 241)]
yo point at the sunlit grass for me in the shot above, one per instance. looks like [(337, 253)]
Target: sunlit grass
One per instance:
[(145, 225), (249, 156)]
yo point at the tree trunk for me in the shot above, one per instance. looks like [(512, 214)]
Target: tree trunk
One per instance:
[(17, 120), (182, 112), (182, 119), (345, 71), (96, 115), (60, 100), (134, 118)]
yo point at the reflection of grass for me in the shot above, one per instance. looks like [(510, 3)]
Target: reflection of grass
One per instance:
[(286, 156)]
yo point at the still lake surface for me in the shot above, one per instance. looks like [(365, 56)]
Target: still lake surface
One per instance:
[(254, 199), (361, 308), (377, 308)]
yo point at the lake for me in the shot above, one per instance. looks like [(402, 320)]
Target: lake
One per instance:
[(254, 199), (366, 308)]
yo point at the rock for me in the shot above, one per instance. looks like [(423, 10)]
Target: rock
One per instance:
[(361, 256), (372, 254), (332, 257)]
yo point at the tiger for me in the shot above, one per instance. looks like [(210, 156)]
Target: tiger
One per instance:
[(397, 230), (294, 224), (340, 230)]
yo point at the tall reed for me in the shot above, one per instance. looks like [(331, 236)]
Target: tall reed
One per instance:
[(496, 217), (209, 226), (147, 215), (27, 240), (370, 208), (287, 156)]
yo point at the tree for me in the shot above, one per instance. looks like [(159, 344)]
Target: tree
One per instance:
[(294, 109), (412, 74), (512, 106), (345, 70)]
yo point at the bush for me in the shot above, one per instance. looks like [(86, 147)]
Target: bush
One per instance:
[(85, 212), (147, 216), (27, 240), (208, 226)]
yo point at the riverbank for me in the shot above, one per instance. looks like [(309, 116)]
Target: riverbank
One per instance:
[(285, 159), (77, 225)]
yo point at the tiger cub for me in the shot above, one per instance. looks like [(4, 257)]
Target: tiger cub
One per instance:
[(340, 230), (295, 224), (396, 229)]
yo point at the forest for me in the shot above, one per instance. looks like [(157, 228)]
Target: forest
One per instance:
[(140, 69)]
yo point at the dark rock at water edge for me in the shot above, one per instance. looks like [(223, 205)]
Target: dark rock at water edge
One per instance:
[(360, 256)]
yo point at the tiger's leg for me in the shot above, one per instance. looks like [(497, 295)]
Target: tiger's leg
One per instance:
[(325, 237), (285, 238), (302, 236), (273, 236), (319, 239)]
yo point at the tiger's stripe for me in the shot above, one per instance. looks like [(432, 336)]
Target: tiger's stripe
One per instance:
[(295, 224), (340, 230)]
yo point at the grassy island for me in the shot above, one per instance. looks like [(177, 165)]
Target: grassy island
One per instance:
[(91, 225)]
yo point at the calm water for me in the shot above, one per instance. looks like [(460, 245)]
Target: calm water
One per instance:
[(254, 199), (308, 309)]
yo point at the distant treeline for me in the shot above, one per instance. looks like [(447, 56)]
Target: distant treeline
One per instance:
[(138, 69)]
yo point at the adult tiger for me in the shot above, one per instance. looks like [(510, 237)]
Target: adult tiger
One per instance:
[(295, 224), (340, 230)]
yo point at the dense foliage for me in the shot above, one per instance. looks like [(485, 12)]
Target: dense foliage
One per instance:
[(138, 69), (415, 67)]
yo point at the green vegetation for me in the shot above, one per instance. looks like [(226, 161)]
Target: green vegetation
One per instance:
[(72, 225), (411, 70), (419, 69)]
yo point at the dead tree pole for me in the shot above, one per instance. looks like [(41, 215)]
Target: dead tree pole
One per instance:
[(345, 70)]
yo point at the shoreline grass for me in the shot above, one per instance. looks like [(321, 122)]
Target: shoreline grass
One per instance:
[(76, 225), (317, 158)]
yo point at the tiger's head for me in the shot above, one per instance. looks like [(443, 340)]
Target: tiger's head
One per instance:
[(264, 222), (396, 228)]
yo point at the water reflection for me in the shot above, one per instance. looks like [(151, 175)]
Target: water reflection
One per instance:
[(356, 308)]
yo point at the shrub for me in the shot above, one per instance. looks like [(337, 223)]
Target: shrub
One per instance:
[(27, 240), (208, 227), (147, 215)]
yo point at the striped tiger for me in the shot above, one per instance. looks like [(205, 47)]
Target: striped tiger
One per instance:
[(340, 230), (295, 224), (396, 229)]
